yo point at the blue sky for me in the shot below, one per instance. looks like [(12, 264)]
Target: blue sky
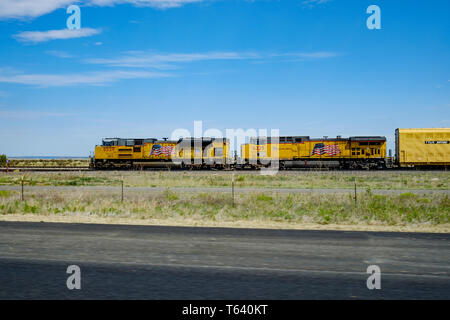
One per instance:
[(143, 68)]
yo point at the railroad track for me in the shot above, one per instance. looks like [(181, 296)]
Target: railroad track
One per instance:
[(62, 169), (43, 169)]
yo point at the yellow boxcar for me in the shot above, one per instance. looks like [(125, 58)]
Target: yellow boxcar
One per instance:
[(422, 147), (302, 151)]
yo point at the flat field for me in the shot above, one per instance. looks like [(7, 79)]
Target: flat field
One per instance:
[(63, 163), (410, 201), (388, 180)]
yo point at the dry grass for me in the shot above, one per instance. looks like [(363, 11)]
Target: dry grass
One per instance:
[(402, 180), (66, 163), (395, 212), (407, 210)]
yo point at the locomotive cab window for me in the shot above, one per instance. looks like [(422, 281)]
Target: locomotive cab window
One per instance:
[(218, 152)]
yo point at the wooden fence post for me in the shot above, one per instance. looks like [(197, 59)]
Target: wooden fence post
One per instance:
[(232, 188), (121, 198), (22, 188)]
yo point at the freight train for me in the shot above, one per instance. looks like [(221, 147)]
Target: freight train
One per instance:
[(413, 148)]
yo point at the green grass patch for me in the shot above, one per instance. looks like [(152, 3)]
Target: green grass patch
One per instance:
[(392, 210), (5, 193), (368, 181)]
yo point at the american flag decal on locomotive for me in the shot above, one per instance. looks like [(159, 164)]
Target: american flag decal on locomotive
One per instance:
[(322, 148), (158, 150)]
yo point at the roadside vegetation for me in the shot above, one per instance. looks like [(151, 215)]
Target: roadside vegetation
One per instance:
[(64, 163), (323, 209), (2, 160), (396, 180)]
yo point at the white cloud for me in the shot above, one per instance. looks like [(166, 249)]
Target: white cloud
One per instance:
[(30, 8), (59, 54), (307, 55), (143, 59), (303, 56), (41, 36), (88, 78), (19, 9), (313, 3), (316, 1), (162, 4), (166, 60)]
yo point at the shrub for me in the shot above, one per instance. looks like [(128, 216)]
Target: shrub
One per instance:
[(2, 160)]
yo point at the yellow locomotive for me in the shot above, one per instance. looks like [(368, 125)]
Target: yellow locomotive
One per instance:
[(302, 151), (140, 153)]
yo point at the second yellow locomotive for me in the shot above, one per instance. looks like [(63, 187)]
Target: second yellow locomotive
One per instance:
[(302, 151)]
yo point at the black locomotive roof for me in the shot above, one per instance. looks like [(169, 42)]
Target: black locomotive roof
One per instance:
[(283, 139), (368, 138), (203, 139)]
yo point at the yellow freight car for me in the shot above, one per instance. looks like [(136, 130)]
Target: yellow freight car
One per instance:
[(139, 153), (302, 151), (422, 147)]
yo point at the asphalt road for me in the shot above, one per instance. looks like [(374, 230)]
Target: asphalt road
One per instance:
[(154, 262)]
